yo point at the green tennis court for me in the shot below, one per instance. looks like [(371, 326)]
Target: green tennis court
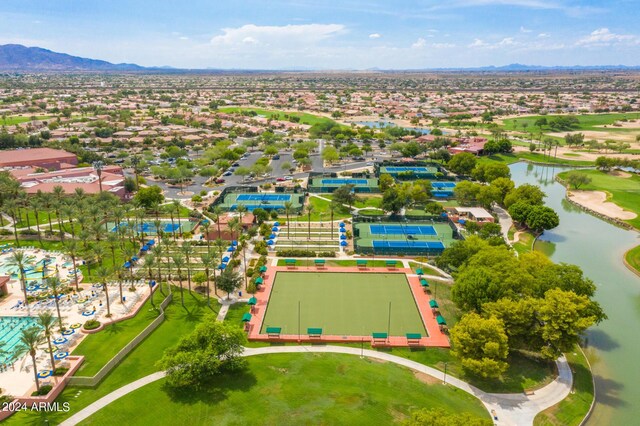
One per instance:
[(343, 304)]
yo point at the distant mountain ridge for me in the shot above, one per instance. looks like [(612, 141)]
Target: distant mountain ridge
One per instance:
[(19, 58), (16, 57)]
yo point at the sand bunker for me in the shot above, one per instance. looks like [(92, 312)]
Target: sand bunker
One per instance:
[(596, 201)]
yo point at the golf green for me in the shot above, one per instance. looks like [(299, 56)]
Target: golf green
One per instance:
[(343, 304)]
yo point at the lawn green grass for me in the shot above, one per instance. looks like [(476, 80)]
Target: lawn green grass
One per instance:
[(355, 304), (100, 347), (321, 212), (525, 242), (140, 362), (625, 192), (632, 258), (17, 119), (305, 118), (533, 157), (586, 121), (294, 389), (571, 410)]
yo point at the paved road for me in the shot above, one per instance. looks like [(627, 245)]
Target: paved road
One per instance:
[(510, 409), (505, 221)]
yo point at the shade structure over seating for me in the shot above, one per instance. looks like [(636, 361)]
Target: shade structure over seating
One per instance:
[(222, 266), (263, 268), (274, 229), (151, 242), (259, 280), (246, 317), (230, 249), (144, 248), (343, 237), (341, 223), (60, 341), (252, 301), (343, 243), (127, 264), (272, 236), (419, 271), (270, 242), (424, 283), (61, 355), (276, 223), (225, 259), (441, 320), (134, 258), (433, 304), (343, 230), (234, 243)]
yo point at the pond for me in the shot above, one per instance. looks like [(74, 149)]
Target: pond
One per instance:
[(598, 247)]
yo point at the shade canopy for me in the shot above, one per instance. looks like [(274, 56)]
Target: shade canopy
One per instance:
[(424, 283), (230, 249), (127, 264), (263, 268), (274, 229), (234, 243), (419, 271), (441, 320), (252, 301), (144, 248), (246, 317), (343, 237), (343, 243), (270, 242), (60, 341), (259, 280), (222, 266), (151, 242), (276, 223), (433, 304), (341, 223), (272, 236), (61, 355), (134, 258), (225, 259)]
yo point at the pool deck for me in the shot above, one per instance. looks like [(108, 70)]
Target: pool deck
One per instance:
[(435, 338)]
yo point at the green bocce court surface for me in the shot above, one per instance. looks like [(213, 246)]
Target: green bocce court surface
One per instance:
[(343, 304)]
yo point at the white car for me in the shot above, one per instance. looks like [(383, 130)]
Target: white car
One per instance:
[(288, 178)]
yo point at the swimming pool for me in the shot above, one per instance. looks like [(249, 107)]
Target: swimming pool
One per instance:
[(33, 270), (10, 331)]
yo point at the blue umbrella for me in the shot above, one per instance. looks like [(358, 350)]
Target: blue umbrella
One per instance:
[(222, 266), (205, 222), (127, 264), (276, 223), (343, 237), (151, 242), (143, 249), (341, 223), (60, 341), (68, 332), (234, 243), (230, 249), (274, 229), (343, 243), (134, 258), (342, 230), (61, 355), (272, 236), (225, 259), (44, 374), (270, 242), (152, 283)]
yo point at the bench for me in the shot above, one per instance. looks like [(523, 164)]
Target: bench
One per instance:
[(361, 263), (319, 263), (314, 332), (391, 263), (290, 263), (413, 338), (379, 338), (274, 332)]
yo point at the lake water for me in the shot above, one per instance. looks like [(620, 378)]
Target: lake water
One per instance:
[(598, 247)]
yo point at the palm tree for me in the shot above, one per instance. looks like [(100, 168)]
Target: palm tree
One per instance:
[(98, 252), (332, 208), (220, 245), (72, 248), (176, 207), (103, 274), (30, 339), (112, 240), (11, 206), (206, 225), (187, 250), (288, 208), (207, 260), (46, 321), (216, 214), (309, 208), (18, 259), (69, 212), (178, 261), (234, 226), (55, 284), (243, 246), (35, 206), (158, 251), (58, 194), (98, 166)]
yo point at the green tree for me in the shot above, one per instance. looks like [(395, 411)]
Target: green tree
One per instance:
[(528, 193), (330, 154), (577, 179), (229, 281), (488, 172), (541, 218), (29, 340), (385, 182), (438, 417), (46, 320), (462, 163), (345, 195), (466, 192), (213, 348), (481, 345), (149, 197)]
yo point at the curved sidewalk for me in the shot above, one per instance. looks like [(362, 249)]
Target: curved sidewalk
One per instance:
[(510, 409)]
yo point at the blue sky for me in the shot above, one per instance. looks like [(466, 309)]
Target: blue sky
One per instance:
[(329, 34)]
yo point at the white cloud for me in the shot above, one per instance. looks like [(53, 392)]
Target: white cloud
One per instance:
[(183, 38), (419, 43), (443, 45), (374, 35), (544, 35), (478, 43), (507, 42), (604, 37), (524, 30), (282, 36)]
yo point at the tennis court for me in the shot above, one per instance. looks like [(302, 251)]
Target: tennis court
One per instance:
[(407, 169), (343, 304), (344, 181), (434, 245), (263, 197), (410, 172), (150, 228), (442, 185), (330, 184), (402, 230)]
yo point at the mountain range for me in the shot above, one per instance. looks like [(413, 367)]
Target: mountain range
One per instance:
[(19, 58)]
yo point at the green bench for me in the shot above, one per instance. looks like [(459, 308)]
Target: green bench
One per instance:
[(413, 338), (274, 332), (319, 262), (391, 263), (314, 332), (361, 263), (379, 338), (290, 263)]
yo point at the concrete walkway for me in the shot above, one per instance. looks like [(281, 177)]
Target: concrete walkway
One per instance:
[(505, 221), (510, 409)]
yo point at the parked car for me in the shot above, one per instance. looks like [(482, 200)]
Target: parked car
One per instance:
[(280, 179), (220, 180), (227, 173), (236, 164), (288, 178), (276, 157)]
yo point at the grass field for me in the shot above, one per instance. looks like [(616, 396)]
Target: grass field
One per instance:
[(633, 258), (572, 410), (336, 389), (625, 192), (17, 119), (586, 121), (533, 157), (305, 118), (321, 212), (354, 304)]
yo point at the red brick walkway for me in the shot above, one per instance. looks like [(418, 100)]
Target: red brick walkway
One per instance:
[(436, 338)]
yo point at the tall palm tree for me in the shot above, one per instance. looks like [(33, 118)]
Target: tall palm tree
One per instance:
[(69, 212), (112, 241), (216, 214), (309, 208), (18, 259), (46, 321), (242, 245), (55, 285), (288, 208), (35, 206), (98, 252), (58, 195), (332, 208), (207, 225), (46, 205), (178, 261), (72, 248), (30, 339), (158, 251), (187, 250), (220, 245), (207, 260), (176, 207), (103, 274), (234, 226)]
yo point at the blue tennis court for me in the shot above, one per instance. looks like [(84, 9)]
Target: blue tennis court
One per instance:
[(437, 245), (344, 181), (434, 245), (442, 193), (252, 207), (149, 228), (402, 230), (440, 185), (407, 169), (263, 197)]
